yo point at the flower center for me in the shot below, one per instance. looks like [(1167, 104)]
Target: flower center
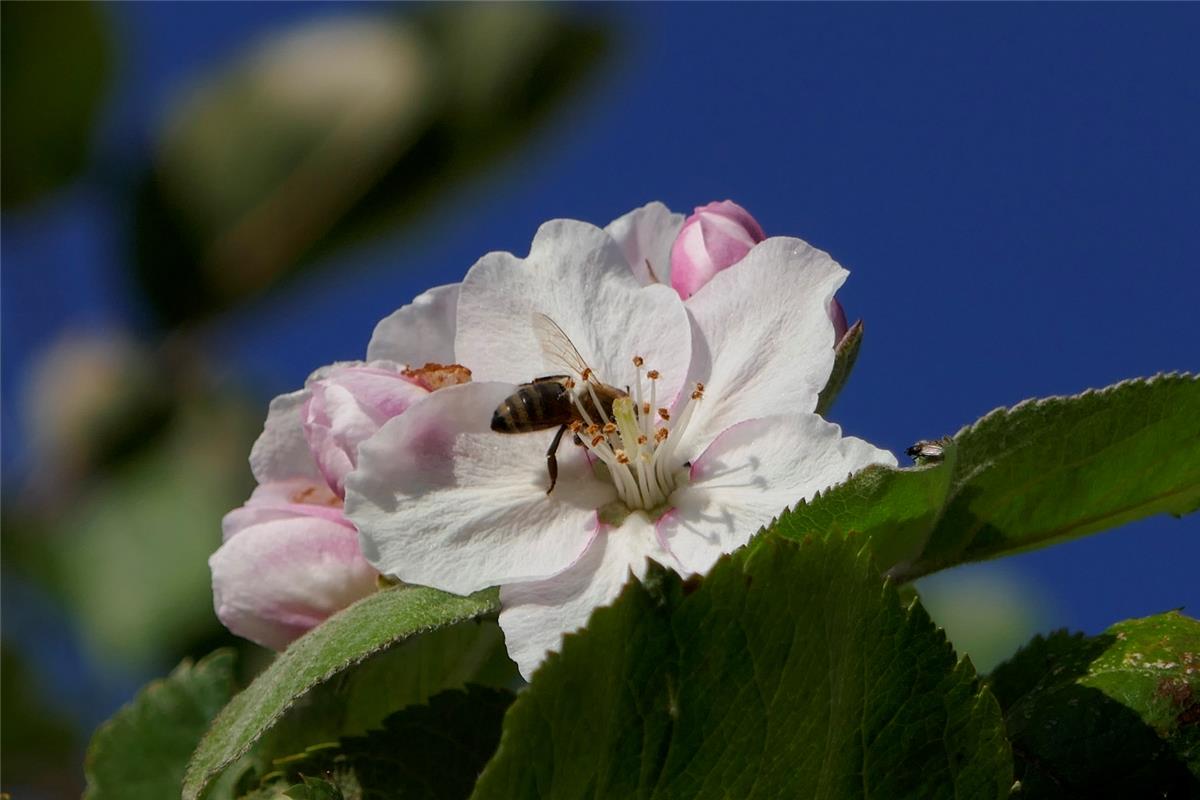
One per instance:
[(638, 443)]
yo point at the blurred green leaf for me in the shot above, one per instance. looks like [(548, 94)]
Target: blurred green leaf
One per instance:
[(791, 670), (35, 739), (986, 611), (425, 752), (55, 67), (337, 131), (342, 642), (130, 557), (1114, 715), (141, 753)]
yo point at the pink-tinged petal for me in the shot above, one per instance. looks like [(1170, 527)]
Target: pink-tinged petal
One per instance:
[(749, 474), (645, 236), (347, 405), (713, 238), (420, 332), (536, 615), (278, 579), (442, 500), (284, 500), (281, 451), (763, 340), (577, 275)]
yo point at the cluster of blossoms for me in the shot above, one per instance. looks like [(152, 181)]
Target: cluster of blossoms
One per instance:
[(722, 338)]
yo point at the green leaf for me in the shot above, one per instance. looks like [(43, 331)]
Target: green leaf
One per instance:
[(346, 639), (470, 652), (1024, 477), (1114, 715), (1052, 469), (432, 751), (894, 510), (55, 68), (845, 354), (142, 751), (792, 670)]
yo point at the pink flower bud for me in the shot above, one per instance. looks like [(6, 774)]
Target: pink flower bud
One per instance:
[(290, 559), (714, 237), (347, 405)]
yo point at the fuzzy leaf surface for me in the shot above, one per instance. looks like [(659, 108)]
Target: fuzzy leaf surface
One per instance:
[(370, 626)]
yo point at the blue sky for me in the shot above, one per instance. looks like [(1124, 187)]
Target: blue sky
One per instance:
[(1015, 189)]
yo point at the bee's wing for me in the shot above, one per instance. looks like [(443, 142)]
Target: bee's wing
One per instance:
[(557, 348)]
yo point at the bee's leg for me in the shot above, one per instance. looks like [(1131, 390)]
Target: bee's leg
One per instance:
[(552, 458)]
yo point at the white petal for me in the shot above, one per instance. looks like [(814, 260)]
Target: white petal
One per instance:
[(749, 474), (646, 234), (763, 340), (281, 451), (577, 275), (441, 500), (282, 577), (536, 615), (420, 332)]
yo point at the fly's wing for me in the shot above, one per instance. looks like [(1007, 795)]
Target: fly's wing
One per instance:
[(557, 348)]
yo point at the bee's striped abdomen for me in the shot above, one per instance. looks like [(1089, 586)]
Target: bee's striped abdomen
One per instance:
[(533, 407)]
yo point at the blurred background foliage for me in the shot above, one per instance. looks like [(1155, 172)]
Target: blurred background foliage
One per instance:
[(317, 137), (174, 175)]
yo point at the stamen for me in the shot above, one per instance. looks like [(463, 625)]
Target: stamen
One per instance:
[(661, 434), (645, 409), (575, 426), (652, 374), (638, 361), (569, 382), (592, 429), (609, 428), (642, 439), (665, 414), (621, 457), (595, 399), (597, 440)]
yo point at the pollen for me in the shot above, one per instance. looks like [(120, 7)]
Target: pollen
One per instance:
[(636, 439)]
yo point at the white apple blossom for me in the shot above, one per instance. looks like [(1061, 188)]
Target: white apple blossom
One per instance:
[(717, 437)]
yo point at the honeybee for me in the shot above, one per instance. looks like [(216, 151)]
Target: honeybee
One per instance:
[(556, 400)]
